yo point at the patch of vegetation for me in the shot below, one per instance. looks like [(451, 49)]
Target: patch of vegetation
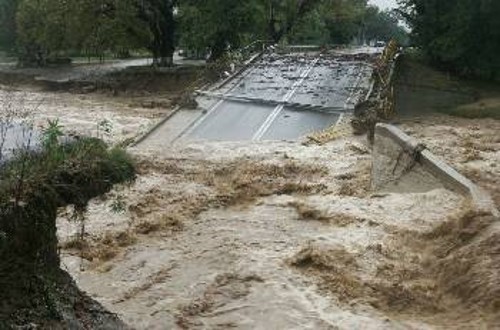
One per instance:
[(460, 36), (33, 185), (480, 109), (420, 88)]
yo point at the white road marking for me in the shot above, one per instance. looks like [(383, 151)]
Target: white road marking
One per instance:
[(203, 117), (340, 119), (267, 123), (200, 120), (272, 117), (279, 108)]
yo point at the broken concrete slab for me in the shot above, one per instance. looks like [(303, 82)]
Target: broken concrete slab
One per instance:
[(401, 162)]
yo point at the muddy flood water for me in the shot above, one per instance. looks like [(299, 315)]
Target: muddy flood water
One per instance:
[(279, 235)]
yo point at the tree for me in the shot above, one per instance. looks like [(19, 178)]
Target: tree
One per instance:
[(47, 27), (310, 29), (51, 28), (284, 15), (219, 25), (113, 26), (458, 35), (8, 9), (345, 19), (33, 23), (383, 25), (159, 17)]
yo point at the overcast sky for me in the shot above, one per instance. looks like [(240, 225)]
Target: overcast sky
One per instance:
[(384, 4)]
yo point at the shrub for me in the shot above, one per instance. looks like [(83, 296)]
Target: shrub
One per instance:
[(34, 184)]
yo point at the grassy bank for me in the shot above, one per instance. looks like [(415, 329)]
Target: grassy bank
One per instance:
[(422, 89)]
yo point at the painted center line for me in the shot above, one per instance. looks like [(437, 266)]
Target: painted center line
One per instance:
[(272, 117), (214, 108)]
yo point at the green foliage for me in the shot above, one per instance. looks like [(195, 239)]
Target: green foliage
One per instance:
[(113, 26), (217, 25), (52, 28), (8, 9), (458, 35), (310, 29), (80, 160), (285, 15), (41, 27), (118, 205), (34, 185), (383, 25), (57, 28), (343, 21), (294, 21), (51, 134), (158, 16)]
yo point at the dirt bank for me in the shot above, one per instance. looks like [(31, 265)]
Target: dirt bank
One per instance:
[(134, 76), (277, 235)]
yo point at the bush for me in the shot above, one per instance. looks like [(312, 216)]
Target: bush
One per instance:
[(34, 184), (461, 36)]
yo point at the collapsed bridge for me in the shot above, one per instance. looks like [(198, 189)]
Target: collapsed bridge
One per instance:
[(277, 97)]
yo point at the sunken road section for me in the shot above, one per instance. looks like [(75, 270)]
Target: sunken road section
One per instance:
[(285, 97)]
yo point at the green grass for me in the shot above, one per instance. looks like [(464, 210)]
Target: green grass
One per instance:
[(427, 89), (486, 108)]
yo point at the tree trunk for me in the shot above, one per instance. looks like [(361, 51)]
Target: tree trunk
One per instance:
[(272, 32), (218, 49), (159, 15), (164, 36), (166, 61)]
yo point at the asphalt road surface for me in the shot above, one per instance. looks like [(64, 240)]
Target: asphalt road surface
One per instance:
[(232, 121), (281, 87)]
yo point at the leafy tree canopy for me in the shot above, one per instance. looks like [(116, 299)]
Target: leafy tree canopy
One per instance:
[(460, 35), (43, 29)]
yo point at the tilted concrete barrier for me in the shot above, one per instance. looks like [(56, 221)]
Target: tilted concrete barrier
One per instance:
[(401, 162)]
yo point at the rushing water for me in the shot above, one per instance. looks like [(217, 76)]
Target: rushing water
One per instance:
[(15, 136)]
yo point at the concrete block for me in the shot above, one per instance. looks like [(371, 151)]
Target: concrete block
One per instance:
[(401, 163)]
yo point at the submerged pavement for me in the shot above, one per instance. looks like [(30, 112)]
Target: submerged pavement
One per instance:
[(285, 97)]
